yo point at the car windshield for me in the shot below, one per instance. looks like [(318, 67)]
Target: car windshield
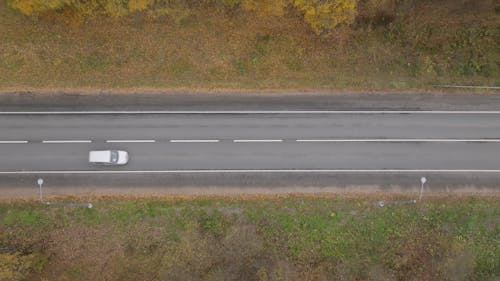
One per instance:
[(114, 156)]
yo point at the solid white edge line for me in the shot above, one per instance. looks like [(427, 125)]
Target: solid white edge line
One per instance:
[(257, 140), (398, 140), (190, 141), (254, 112), (66, 141), (467, 87), (261, 171), (13, 141), (131, 141)]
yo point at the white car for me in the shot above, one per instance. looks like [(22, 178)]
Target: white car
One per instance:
[(108, 157)]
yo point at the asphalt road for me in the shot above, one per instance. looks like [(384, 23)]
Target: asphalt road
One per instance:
[(309, 148), (271, 141)]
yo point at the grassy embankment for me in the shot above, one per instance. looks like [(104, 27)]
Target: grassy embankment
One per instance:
[(391, 45), (252, 238)]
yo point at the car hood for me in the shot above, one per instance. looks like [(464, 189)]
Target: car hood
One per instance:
[(122, 157)]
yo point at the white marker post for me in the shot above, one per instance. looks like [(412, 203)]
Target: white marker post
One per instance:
[(40, 182), (423, 180)]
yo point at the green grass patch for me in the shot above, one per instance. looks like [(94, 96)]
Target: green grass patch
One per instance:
[(22, 217), (290, 238)]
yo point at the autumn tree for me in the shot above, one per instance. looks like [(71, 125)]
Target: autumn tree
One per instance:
[(323, 16)]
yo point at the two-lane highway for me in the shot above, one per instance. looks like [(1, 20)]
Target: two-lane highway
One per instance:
[(246, 141)]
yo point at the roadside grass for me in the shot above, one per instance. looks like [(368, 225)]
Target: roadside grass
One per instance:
[(292, 237), (417, 44)]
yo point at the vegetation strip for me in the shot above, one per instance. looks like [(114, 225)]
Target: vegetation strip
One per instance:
[(273, 237), (248, 44)]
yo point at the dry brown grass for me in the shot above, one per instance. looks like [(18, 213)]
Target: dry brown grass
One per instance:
[(215, 50)]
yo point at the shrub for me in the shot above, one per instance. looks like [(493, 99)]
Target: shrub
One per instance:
[(116, 8), (33, 7), (138, 5), (324, 16)]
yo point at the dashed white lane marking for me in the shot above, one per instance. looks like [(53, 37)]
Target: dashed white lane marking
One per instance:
[(267, 140), (275, 140), (190, 141), (66, 141), (398, 140), (378, 171), (254, 112), (131, 141)]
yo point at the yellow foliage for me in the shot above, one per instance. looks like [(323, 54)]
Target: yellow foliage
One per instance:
[(116, 8), (84, 9), (31, 7), (138, 5), (324, 16), (265, 7)]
